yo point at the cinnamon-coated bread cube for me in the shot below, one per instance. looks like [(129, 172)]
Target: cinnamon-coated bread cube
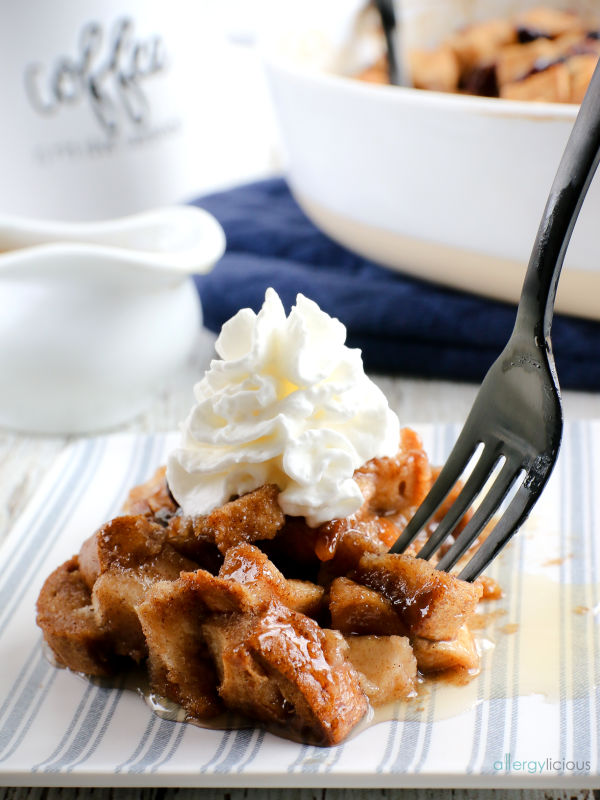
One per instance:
[(356, 609), (249, 518), (179, 665), (66, 617), (282, 668), (553, 85), (429, 602), (248, 565), (458, 653), (131, 553), (480, 42), (152, 498), (386, 665), (437, 70)]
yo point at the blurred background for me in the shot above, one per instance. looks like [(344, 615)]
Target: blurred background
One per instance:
[(406, 211), (114, 107)]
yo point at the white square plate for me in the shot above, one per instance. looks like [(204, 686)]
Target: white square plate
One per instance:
[(530, 718)]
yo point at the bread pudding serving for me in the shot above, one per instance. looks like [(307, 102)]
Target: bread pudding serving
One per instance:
[(252, 573), (536, 54)]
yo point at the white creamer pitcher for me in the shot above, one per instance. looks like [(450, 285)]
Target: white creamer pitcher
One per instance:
[(96, 317)]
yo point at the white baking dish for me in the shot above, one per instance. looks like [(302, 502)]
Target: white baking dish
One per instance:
[(445, 187)]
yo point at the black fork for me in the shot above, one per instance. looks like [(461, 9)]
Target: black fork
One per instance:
[(387, 13), (517, 415)]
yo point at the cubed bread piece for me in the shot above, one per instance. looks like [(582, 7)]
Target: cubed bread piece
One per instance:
[(398, 482), (550, 22), (248, 565), (244, 685), (221, 595), (248, 582), (356, 609), (89, 563), (305, 597), (437, 70), (124, 542), (458, 653), (429, 602), (66, 617), (490, 588), (341, 542), (188, 536), (553, 85), (114, 598), (282, 668), (132, 554), (387, 667), (523, 60), (581, 68), (245, 563), (249, 518), (518, 60), (376, 73), (480, 42), (152, 498), (179, 665)]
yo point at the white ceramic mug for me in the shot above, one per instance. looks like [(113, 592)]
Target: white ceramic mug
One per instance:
[(113, 107)]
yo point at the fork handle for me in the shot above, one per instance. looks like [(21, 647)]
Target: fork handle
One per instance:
[(574, 175), (387, 14)]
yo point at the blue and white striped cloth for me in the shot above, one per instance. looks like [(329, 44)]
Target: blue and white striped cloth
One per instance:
[(57, 728)]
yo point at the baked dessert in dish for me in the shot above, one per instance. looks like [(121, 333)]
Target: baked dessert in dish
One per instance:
[(301, 622), (542, 54)]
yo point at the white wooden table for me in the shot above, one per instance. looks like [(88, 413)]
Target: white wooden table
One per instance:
[(25, 458)]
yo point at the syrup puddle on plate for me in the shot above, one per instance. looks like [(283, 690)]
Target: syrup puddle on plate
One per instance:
[(526, 642), (519, 640)]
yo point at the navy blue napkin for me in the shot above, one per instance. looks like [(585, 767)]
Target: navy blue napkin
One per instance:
[(402, 325)]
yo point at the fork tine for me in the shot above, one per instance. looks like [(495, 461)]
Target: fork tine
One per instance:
[(498, 491), (451, 471), (484, 466), (510, 522)]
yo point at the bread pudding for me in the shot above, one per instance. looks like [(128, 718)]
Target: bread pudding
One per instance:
[(540, 54), (300, 622)]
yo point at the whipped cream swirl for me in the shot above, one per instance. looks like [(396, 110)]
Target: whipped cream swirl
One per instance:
[(288, 404)]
